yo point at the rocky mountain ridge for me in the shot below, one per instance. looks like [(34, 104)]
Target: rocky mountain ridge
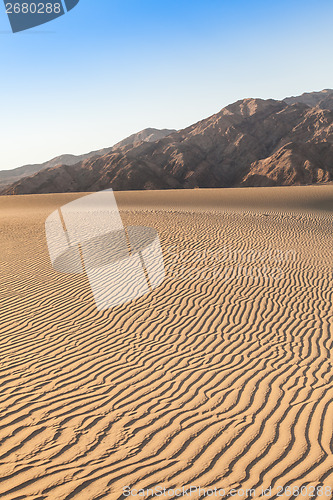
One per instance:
[(8, 177), (252, 142)]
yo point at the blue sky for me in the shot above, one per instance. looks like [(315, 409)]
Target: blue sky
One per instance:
[(110, 68)]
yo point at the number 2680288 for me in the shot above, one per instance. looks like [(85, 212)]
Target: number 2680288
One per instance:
[(33, 8)]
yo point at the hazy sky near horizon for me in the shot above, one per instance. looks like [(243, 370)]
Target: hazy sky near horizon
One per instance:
[(110, 68)]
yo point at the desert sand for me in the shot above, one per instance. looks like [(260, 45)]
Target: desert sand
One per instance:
[(220, 378)]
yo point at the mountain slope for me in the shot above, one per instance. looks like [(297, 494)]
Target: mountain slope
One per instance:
[(8, 177), (252, 142)]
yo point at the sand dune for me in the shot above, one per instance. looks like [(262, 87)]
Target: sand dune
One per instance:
[(221, 377)]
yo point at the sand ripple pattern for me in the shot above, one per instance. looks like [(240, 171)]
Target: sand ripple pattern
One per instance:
[(221, 377)]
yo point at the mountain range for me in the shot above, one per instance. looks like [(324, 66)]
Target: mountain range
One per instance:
[(8, 177), (252, 142)]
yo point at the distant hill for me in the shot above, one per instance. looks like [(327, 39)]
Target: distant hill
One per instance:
[(8, 177), (322, 99), (252, 142)]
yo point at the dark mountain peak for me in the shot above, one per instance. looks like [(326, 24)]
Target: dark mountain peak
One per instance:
[(251, 106), (146, 135), (322, 99)]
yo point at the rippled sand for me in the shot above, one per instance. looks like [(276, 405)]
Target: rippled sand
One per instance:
[(222, 377)]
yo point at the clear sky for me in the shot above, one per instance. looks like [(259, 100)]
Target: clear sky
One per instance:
[(110, 68)]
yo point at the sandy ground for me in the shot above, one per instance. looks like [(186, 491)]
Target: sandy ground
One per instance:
[(220, 378)]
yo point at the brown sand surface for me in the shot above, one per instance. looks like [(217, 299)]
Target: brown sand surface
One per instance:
[(220, 378)]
